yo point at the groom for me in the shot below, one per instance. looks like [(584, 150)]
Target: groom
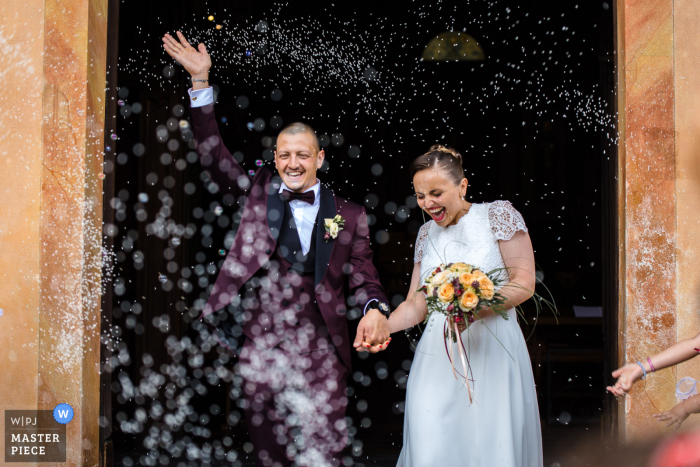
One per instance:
[(282, 285)]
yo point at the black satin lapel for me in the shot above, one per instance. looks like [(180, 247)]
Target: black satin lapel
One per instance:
[(324, 249), (275, 208)]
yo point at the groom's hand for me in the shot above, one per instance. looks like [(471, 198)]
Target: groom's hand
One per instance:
[(196, 61), (372, 333)]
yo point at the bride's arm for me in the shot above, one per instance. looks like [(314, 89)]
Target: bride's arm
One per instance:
[(413, 310), (519, 259)]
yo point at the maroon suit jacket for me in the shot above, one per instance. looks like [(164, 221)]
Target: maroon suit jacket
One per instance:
[(345, 260)]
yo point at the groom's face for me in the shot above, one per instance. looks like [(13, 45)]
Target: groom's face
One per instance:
[(297, 159)]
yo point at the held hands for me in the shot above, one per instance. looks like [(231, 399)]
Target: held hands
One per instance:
[(196, 61), (626, 376), (372, 333)]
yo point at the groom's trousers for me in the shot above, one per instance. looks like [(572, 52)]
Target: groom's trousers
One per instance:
[(294, 405), (294, 381)]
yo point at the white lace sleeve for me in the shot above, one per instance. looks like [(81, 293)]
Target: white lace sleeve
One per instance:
[(505, 220), (420, 242)]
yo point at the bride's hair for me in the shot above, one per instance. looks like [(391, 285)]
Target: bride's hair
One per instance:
[(442, 157)]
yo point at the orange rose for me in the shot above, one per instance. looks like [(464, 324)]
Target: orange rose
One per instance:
[(461, 267), (440, 277), (446, 292), (478, 274), (466, 279), (484, 282), (468, 300), (487, 292)]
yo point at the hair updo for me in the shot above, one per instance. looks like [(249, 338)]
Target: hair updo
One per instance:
[(443, 158)]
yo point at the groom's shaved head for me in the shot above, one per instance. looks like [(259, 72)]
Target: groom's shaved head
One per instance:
[(298, 128)]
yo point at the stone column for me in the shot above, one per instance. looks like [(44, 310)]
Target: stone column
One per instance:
[(52, 64), (659, 85), (686, 58)]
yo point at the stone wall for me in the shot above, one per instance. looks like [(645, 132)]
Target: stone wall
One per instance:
[(52, 64), (659, 88)]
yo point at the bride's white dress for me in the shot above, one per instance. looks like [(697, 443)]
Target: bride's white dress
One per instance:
[(501, 427)]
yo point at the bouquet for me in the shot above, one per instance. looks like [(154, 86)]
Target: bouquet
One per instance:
[(459, 290)]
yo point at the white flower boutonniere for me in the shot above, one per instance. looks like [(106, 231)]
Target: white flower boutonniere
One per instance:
[(333, 226)]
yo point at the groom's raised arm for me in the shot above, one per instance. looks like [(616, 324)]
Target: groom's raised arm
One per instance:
[(220, 165), (222, 168)]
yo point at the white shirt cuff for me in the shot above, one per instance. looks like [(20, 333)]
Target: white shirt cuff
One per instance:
[(201, 97)]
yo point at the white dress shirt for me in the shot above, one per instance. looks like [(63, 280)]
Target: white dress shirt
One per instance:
[(305, 215)]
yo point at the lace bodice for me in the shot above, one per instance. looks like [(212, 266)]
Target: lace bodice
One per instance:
[(473, 240)]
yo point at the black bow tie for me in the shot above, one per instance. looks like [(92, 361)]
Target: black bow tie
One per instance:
[(307, 197)]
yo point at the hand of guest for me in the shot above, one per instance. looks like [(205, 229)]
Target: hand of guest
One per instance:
[(196, 61), (675, 416), (626, 376), (372, 332)]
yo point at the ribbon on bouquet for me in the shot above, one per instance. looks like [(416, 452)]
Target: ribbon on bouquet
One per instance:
[(466, 367)]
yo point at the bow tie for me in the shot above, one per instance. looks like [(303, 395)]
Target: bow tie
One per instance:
[(307, 197)]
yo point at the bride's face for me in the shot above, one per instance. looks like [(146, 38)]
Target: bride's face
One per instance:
[(439, 196)]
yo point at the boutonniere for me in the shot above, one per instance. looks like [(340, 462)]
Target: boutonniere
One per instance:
[(333, 226)]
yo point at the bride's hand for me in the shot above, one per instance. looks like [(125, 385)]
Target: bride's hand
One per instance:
[(462, 325), (367, 347)]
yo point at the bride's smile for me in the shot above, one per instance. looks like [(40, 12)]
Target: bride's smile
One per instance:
[(440, 197)]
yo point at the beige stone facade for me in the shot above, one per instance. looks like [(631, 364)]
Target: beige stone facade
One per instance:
[(659, 181), (52, 63)]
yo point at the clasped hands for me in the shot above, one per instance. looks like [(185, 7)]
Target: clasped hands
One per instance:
[(372, 333)]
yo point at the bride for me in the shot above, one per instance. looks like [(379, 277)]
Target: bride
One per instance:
[(502, 425)]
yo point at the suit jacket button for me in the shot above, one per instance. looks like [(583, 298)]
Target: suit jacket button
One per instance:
[(301, 289), (285, 303), (268, 251)]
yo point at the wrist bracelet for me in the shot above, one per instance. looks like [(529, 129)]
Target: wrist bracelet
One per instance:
[(651, 365), (200, 80), (642, 367)]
